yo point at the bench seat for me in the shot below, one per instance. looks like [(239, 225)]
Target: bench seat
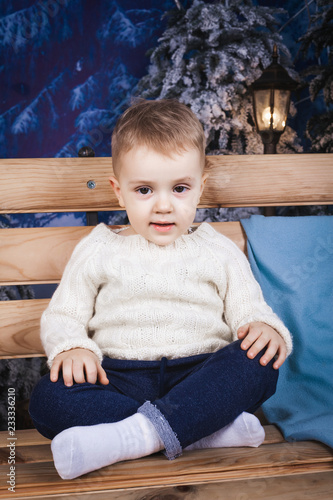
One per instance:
[(308, 466)]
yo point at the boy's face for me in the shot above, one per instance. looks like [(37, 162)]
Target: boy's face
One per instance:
[(160, 194)]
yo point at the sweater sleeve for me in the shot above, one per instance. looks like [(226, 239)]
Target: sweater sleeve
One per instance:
[(243, 297), (64, 324)]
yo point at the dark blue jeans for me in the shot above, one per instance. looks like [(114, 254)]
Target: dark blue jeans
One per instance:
[(186, 398)]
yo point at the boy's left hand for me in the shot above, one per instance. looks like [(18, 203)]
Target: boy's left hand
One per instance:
[(258, 335)]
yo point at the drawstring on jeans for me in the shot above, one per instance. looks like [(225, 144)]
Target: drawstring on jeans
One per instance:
[(162, 375)]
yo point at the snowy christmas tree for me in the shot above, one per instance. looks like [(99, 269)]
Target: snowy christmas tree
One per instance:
[(207, 58), (320, 38)]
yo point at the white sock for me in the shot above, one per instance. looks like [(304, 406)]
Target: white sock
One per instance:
[(245, 430), (79, 450)]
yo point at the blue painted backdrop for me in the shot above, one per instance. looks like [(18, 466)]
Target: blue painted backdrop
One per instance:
[(68, 68)]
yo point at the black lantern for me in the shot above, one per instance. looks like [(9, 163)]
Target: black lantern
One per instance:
[(271, 101)]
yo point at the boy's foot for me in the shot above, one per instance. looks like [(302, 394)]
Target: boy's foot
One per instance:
[(79, 450), (245, 430)]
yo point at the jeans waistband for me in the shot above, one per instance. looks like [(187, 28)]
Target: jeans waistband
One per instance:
[(134, 364)]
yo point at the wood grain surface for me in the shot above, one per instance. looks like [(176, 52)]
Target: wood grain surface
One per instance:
[(192, 468), (60, 184), (20, 327)]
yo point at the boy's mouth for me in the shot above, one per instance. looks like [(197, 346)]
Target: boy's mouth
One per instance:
[(163, 227)]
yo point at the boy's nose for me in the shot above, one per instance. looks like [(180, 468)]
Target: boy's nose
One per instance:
[(163, 205)]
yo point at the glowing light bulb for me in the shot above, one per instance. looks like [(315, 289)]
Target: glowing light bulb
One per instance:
[(266, 118)]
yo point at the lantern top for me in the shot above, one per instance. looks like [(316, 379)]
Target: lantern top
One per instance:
[(274, 77)]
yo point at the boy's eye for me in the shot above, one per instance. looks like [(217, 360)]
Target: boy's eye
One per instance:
[(180, 189), (144, 190)]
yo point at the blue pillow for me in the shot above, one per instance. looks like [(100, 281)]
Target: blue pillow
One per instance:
[(292, 259)]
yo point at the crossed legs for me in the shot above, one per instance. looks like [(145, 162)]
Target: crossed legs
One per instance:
[(207, 400)]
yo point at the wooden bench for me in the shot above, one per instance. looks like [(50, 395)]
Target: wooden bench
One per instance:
[(276, 469)]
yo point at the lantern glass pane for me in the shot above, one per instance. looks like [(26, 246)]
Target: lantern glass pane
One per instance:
[(281, 108), (262, 103)]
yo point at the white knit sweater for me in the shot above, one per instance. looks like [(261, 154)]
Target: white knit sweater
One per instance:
[(127, 298)]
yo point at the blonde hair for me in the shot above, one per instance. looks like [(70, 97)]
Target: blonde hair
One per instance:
[(166, 126)]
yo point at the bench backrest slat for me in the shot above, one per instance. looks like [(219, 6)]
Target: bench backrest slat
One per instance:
[(36, 255), (39, 255), (20, 328), (60, 184)]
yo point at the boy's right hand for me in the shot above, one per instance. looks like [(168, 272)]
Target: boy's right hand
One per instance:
[(79, 364)]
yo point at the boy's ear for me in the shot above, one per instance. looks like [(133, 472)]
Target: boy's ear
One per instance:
[(116, 188), (203, 182)]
